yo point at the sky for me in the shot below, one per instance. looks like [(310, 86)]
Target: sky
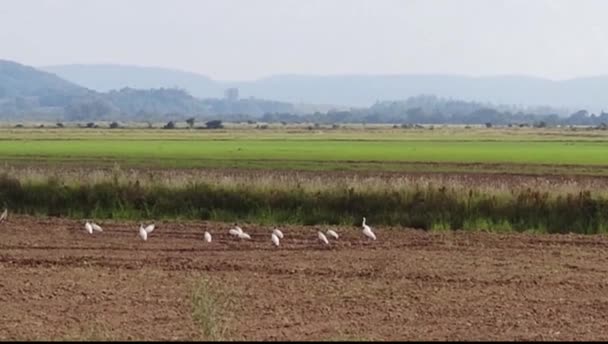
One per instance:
[(249, 39)]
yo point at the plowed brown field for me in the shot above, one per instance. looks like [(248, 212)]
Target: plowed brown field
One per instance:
[(58, 282)]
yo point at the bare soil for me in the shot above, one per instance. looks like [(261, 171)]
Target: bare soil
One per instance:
[(58, 282)]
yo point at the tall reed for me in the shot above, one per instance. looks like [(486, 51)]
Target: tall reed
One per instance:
[(426, 206)]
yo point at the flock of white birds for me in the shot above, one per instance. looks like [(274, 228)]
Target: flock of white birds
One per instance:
[(275, 237)]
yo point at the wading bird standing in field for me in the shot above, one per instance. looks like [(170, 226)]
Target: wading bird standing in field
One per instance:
[(368, 231), (322, 237), (4, 215), (236, 231), (143, 232), (278, 233), (88, 227), (332, 234), (275, 239), (244, 235), (207, 237), (96, 227)]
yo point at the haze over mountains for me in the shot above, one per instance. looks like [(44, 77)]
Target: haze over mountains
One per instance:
[(353, 90), (125, 93)]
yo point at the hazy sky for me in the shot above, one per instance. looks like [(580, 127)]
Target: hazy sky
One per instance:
[(246, 39)]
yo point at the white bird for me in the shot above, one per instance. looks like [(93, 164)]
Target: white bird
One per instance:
[(142, 233), (333, 234), (278, 233), (4, 215), (149, 228), (275, 239), (207, 237), (244, 235), (368, 231), (96, 227), (236, 231), (323, 238), (88, 227)]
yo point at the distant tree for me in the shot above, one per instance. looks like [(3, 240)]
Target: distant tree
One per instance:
[(19, 126), (190, 122), (90, 125), (59, 125), (169, 125), (540, 124), (488, 125), (580, 117), (215, 124), (114, 125)]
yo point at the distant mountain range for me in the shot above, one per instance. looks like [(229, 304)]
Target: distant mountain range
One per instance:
[(125, 93), (103, 78), (354, 90), (27, 93)]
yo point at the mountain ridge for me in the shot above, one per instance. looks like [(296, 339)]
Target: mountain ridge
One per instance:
[(357, 90)]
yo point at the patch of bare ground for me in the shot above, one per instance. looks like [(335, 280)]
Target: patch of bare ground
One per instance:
[(58, 282)]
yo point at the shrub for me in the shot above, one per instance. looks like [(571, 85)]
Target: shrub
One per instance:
[(215, 124), (209, 310)]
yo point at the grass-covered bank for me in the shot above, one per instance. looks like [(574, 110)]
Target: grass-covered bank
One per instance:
[(431, 207)]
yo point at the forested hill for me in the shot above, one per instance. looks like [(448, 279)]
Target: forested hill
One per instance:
[(27, 93)]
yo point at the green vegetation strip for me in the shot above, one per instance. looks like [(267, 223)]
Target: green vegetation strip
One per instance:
[(431, 208), (336, 153)]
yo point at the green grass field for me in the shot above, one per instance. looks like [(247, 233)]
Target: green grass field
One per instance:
[(579, 153), (534, 151)]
